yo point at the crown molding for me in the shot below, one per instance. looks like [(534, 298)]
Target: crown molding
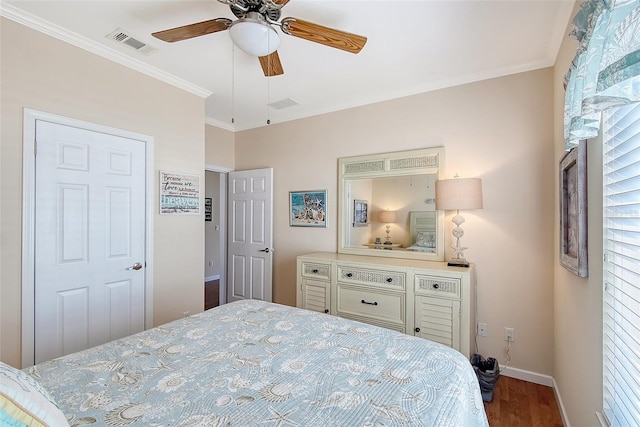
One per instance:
[(220, 124), (20, 16)]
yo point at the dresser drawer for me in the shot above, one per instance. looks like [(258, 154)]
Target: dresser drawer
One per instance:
[(381, 306), (437, 286), (315, 270), (394, 280)]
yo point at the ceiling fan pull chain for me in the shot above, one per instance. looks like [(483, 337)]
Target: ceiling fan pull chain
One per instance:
[(269, 84), (233, 83)]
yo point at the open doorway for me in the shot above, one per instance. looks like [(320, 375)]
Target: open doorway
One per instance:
[(215, 203)]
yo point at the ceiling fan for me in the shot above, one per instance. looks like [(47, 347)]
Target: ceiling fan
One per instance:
[(253, 31)]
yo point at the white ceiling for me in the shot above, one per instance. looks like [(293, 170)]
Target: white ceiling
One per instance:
[(413, 47)]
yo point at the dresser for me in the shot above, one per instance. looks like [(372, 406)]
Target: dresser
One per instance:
[(427, 299)]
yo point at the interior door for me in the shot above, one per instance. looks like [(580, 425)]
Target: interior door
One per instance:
[(250, 249), (90, 238)]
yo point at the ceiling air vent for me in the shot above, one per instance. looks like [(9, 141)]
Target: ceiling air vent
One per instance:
[(283, 103), (121, 36)]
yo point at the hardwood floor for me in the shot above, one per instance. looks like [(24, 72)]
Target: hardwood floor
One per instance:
[(211, 294), (521, 403)]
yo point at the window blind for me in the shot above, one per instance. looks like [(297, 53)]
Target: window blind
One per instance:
[(621, 298)]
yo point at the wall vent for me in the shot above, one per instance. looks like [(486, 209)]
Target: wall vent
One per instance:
[(121, 36)]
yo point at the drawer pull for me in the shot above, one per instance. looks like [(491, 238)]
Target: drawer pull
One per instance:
[(370, 303), (326, 310), (349, 274), (435, 286), (314, 271), (417, 329), (389, 279)]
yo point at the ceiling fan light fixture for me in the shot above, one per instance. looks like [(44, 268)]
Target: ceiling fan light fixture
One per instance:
[(253, 35)]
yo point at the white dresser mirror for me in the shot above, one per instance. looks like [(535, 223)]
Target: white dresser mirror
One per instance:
[(402, 184)]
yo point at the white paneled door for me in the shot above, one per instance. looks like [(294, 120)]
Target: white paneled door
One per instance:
[(250, 247), (89, 238)]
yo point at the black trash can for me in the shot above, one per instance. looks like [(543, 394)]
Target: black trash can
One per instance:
[(487, 371)]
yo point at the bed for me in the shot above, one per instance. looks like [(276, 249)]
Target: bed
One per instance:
[(252, 363), (422, 229)]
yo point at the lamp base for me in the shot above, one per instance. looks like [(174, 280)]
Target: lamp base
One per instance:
[(458, 262)]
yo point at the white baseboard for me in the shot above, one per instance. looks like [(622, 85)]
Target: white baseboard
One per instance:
[(210, 278), (563, 413), (601, 419), (532, 377)]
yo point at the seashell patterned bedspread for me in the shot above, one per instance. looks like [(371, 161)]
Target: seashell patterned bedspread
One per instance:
[(253, 363)]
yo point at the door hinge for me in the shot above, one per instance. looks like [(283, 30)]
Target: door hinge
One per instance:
[(35, 148)]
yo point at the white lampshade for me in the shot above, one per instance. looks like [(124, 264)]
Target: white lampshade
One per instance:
[(459, 194), (254, 35), (387, 217)]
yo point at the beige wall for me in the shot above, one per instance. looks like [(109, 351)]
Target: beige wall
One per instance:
[(219, 147), (578, 301), (500, 130), (48, 75)]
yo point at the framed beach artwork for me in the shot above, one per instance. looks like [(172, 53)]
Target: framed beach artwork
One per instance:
[(573, 211), (360, 213), (308, 208)]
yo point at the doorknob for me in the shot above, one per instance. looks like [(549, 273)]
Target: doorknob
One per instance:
[(136, 266), (267, 250)]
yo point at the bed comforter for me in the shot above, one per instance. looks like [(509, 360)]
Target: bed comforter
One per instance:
[(253, 363)]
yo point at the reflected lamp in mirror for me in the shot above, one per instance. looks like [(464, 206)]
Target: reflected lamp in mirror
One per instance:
[(387, 217), (455, 195)]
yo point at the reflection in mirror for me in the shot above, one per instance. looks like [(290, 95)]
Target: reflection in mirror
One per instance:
[(386, 205), (401, 195)]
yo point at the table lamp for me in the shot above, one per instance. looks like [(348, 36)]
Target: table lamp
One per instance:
[(458, 194), (387, 217)]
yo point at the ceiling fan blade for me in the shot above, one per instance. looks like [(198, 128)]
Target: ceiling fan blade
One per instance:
[(193, 30), (271, 65), (348, 42)]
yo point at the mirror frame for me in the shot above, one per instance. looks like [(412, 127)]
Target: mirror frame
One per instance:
[(385, 165)]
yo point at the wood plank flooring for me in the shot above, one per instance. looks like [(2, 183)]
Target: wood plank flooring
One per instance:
[(515, 402), (211, 294), (521, 403)]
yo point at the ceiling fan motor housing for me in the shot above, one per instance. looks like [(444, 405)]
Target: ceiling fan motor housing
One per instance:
[(268, 9)]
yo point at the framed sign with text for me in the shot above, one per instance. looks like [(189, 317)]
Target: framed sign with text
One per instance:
[(179, 193)]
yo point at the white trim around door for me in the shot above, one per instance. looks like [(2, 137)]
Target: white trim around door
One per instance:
[(28, 219), (224, 172)]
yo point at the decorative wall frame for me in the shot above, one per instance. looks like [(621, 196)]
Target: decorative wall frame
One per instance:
[(573, 211), (360, 213), (179, 193), (208, 208), (308, 208)]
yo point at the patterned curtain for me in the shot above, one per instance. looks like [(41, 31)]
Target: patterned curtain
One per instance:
[(606, 70)]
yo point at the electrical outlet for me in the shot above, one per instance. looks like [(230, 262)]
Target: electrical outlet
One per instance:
[(509, 334), (482, 329)]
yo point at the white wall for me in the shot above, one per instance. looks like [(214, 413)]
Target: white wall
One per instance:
[(500, 130), (45, 74)]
